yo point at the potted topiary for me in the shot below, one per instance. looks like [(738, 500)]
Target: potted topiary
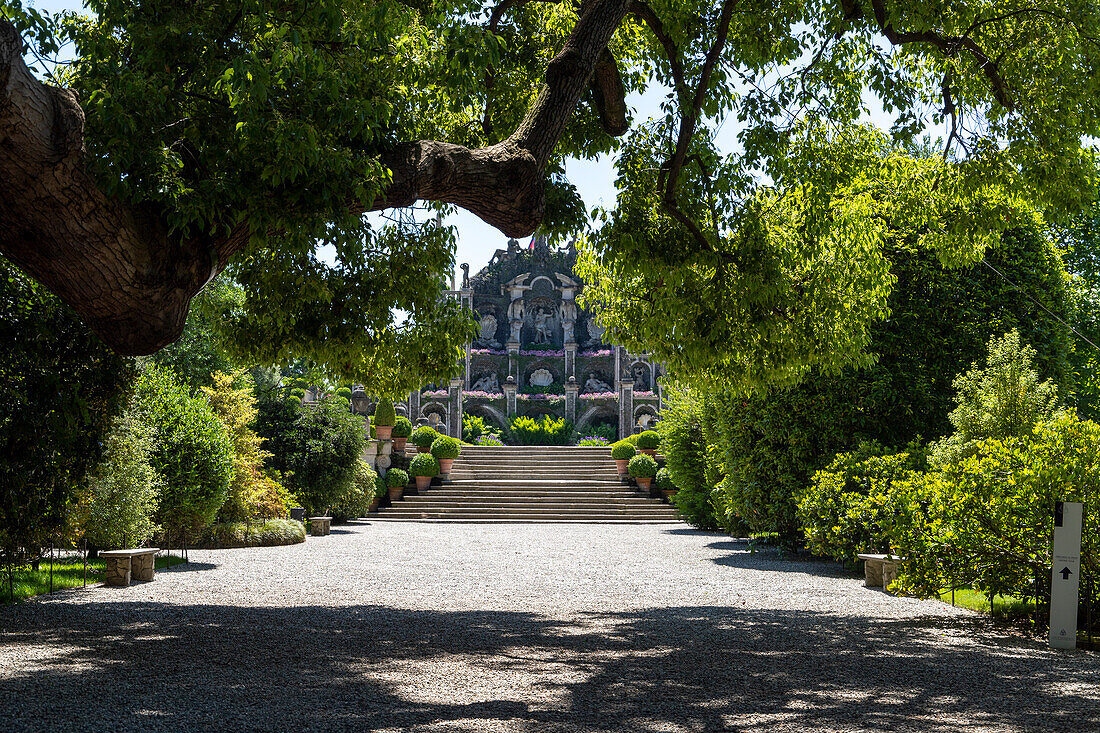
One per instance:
[(664, 484), (446, 450), (396, 480), (384, 418), (424, 468), (622, 452), (643, 468), (402, 429), (422, 438), (648, 441), (379, 493)]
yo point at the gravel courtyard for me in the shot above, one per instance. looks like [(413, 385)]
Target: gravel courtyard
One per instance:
[(456, 627)]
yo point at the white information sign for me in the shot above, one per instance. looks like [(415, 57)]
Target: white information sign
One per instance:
[(1065, 575)]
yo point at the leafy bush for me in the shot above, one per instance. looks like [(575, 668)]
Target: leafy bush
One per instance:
[(685, 449), (1003, 399), (445, 447), (315, 448), (384, 413), (402, 428), (649, 439), (489, 440), (643, 466), (423, 437), (395, 477), (590, 441), (356, 503), (124, 488), (632, 439), (607, 432), (623, 451), (193, 452), (252, 493), (547, 431), (268, 533), (344, 392), (663, 480), (851, 506), (424, 464), (474, 426)]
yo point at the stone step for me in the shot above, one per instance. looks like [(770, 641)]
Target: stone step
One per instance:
[(528, 514), (497, 519), (570, 496), (628, 502)]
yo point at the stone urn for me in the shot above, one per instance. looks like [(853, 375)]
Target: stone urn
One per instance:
[(621, 465), (396, 492), (644, 483), (398, 443), (423, 482), (445, 465), (383, 432)]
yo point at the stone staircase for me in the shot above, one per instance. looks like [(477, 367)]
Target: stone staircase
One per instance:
[(531, 484)]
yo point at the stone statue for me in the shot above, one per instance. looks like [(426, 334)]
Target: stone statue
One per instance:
[(595, 333), (641, 377), (516, 312), (595, 384), (488, 383), (542, 327), (465, 276), (541, 378), (568, 320)]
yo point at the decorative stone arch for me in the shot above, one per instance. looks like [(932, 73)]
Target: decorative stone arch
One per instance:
[(538, 408), (489, 412), (592, 416), (645, 410), (437, 408), (650, 383), (533, 283)]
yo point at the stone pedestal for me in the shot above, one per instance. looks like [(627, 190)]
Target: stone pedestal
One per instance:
[(118, 571), (513, 360), (126, 565), (385, 449), (320, 526), (572, 389), (370, 452)]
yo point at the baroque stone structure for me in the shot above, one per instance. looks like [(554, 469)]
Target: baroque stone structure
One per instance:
[(538, 353)]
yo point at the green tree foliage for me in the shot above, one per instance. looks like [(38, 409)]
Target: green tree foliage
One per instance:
[(124, 489), (1001, 399), (201, 349), (685, 448), (315, 449), (59, 389), (193, 452), (252, 493), (356, 502)]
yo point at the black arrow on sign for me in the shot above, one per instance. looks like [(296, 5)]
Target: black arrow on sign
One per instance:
[(1066, 572)]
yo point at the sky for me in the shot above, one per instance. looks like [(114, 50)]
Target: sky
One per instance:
[(594, 179)]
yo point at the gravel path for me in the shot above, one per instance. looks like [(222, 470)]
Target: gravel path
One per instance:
[(454, 627)]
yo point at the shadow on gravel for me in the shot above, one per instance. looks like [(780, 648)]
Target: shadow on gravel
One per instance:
[(771, 559), (132, 666)]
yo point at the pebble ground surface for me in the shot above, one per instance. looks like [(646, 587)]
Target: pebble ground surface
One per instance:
[(552, 627)]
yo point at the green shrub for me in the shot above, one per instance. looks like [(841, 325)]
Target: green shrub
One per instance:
[(424, 464), (851, 506), (384, 413), (445, 447), (623, 451), (344, 392), (193, 452), (649, 440), (607, 432), (473, 427), (663, 480), (315, 448), (547, 431), (633, 439), (643, 466), (356, 502), (395, 477), (685, 449), (402, 428), (268, 533), (124, 488), (423, 437)]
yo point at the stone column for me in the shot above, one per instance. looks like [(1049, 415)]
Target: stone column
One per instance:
[(513, 361), (510, 395), (570, 361), (626, 407), (414, 406), (571, 391), (454, 407)]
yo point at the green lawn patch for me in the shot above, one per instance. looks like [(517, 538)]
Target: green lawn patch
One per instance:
[(67, 573), (1004, 607)]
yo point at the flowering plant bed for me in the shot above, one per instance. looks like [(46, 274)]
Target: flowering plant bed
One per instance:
[(542, 353), (599, 396), (551, 398), (597, 352), (645, 395), (435, 393), (477, 394)]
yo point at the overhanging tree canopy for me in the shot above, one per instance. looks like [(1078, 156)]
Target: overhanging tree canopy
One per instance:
[(221, 134)]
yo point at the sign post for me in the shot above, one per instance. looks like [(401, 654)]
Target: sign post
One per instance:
[(1065, 574)]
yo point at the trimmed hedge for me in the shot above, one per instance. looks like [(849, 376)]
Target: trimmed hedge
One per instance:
[(402, 428), (396, 477), (384, 413)]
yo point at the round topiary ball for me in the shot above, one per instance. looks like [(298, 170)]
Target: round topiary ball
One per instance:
[(664, 480), (396, 477), (623, 451), (642, 466), (425, 464), (402, 428), (384, 414), (446, 447), (649, 440), (423, 437)]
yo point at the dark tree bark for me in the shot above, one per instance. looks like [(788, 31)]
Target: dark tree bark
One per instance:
[(132, 281)]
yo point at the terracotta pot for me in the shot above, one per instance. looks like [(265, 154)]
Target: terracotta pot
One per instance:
[(667, 493), (396, 492), (382, 432), (644, 482), (373, 504), (445, 465), (423, 482), (621, 465), (648, 451), (399, 444)]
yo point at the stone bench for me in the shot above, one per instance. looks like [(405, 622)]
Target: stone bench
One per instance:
[(126, 565), (879, 571), (320, 526)]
